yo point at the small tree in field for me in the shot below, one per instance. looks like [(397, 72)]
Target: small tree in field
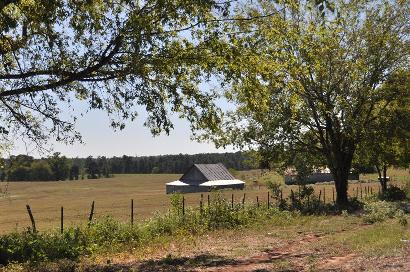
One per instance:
[(388, 140), (308, 80)]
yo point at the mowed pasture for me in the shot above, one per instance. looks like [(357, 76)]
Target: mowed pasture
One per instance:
[(113, 196)]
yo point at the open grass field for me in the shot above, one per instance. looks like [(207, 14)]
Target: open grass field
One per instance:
[(112, 197)]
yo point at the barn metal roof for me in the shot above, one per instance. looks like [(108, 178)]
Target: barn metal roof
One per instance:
[(215, 171)]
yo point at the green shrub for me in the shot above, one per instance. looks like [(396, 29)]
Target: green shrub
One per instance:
[(393, 193), (34, 246), (306, 202), (379, 211)]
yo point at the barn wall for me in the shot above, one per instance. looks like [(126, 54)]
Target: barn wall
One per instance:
[(199, 189)]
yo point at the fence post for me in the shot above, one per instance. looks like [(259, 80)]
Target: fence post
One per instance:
[(183, 205), (324, 195), (333, 194), (268, 200), (320, 194), (257, 201), (33, 223), (232, 201), (62, 220), (361, 191), (132, 212), (357, 192), (292, 196), (200, 206), (243, 200), (90, 217), (209, 201)]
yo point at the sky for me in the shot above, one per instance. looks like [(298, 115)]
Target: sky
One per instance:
[(135, 140)]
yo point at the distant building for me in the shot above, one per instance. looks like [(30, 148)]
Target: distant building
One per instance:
[(204, 178), (319, 175)]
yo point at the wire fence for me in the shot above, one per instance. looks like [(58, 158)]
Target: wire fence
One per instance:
[(131, 212)]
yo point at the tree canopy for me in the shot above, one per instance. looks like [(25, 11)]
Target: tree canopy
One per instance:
[(308, 79), (118, 56)]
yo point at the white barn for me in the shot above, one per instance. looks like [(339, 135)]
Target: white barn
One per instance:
[(204, 178)]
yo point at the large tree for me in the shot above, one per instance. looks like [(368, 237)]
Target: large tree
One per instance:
[(118, 56), (308, 79)]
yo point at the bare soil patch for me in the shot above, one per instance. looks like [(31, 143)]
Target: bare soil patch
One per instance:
[(257, 251)]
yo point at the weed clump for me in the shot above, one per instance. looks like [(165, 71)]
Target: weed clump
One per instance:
[(380, 211)]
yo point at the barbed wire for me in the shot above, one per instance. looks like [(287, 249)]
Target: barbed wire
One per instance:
[(123, 210)]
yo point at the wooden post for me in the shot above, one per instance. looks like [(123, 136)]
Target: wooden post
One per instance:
[(357, 192), (324, 195), (33, 223), (132, 212), (257, 201), (243, 200), (90, 217), (361, 191), (200, 206), (183, 205), (62, 220), (268, 200), (209, 201), (320, 194), (333, 194), (232, 203)]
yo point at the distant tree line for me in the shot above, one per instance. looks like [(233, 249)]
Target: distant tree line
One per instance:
[(58, 168), (26, 168)]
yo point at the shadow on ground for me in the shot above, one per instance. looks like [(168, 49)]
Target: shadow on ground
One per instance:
[(168, 264)]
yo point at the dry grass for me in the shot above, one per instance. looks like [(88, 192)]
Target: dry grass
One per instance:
[(112, 197)]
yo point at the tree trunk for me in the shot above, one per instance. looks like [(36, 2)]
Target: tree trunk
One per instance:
[(340, 176), (379, 172), (340, 163), (384, 185), (382, 178)]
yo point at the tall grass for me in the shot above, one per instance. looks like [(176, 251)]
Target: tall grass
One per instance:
[(109, 233)]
